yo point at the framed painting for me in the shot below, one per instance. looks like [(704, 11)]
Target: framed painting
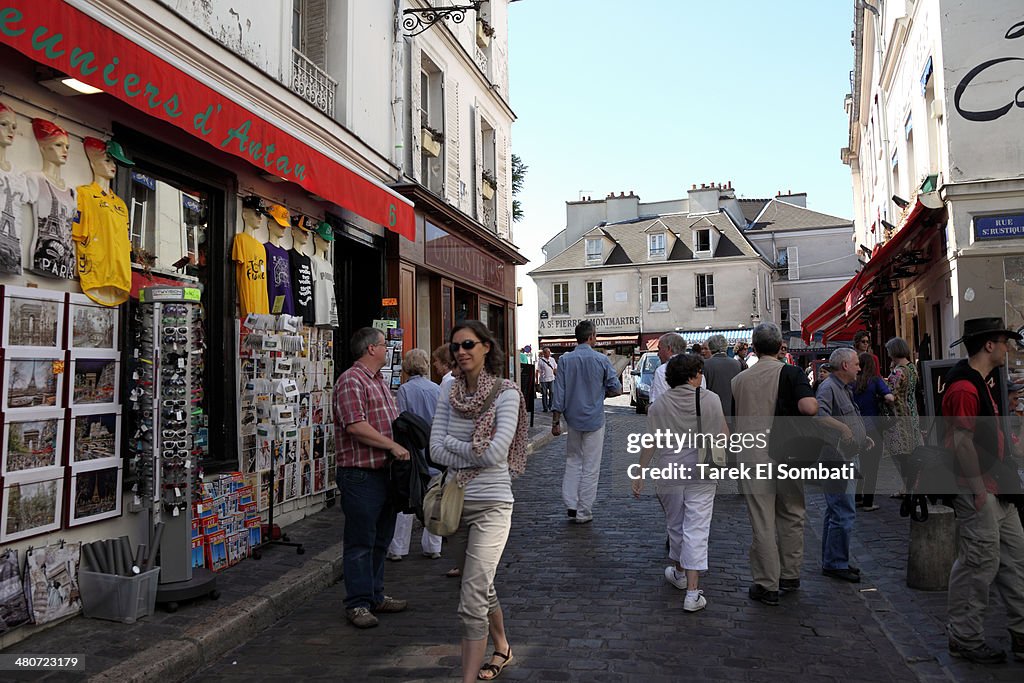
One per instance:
[(31, 504), (95, 436), (33, 322), (94, 381), (95, 493), (92, 328), (33, 441), (31, 383)]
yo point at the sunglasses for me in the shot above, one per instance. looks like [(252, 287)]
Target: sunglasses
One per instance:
[(466, 344)]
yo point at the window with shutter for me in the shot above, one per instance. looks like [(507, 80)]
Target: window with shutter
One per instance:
[(794, 263), (309, 52), (795, 321)]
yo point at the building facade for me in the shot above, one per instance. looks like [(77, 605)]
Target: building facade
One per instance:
[(308, 108), (640, 270), (813, 257), (935, 158)]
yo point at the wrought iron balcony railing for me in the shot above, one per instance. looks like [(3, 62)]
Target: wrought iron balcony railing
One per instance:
[(312, 83)]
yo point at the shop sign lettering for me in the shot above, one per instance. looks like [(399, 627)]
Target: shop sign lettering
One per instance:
[(1015, 31), (463, 260), (627, 323)]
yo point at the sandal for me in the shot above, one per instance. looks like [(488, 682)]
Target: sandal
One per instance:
[(453, 573), (495, 669)]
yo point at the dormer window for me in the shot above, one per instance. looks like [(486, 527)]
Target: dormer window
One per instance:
[(702, 241), (656, 246), (594, 251)]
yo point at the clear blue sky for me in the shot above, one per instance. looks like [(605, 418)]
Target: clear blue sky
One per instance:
[(655, 95)]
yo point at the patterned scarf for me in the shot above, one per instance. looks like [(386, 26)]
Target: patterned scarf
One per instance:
[(484, 424)]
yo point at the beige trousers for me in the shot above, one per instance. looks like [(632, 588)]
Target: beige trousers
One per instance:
[(777, 514), (487, 524)]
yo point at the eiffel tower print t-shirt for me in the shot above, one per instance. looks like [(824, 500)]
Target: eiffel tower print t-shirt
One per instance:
[(279, 280), (54, 209), (13, 193)]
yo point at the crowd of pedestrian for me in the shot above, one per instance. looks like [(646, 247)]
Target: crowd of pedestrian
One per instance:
[(478, 433)]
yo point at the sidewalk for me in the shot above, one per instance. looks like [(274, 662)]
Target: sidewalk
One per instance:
[(253, 595)]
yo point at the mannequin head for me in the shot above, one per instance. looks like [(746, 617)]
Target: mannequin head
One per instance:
[(278, 223), (104, 168), (300, 237), (8, 126), (251, 219), (52, 140), (321, 244)]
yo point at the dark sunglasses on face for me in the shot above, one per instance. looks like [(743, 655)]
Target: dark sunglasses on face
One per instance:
[(466, 344)]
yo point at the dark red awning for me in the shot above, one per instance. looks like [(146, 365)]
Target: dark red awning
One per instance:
[(824, 314), (57, 35)]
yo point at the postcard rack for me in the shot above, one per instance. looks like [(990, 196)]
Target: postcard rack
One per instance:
[(166, 401)]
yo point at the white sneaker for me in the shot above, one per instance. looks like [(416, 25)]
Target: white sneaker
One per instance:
[(675, 578), (583, 519), (695, 604)]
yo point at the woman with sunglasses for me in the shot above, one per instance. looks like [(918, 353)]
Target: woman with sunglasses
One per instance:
[(479, 432)]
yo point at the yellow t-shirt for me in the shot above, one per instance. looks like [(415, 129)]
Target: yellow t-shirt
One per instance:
[(251, 258), (103, 247)]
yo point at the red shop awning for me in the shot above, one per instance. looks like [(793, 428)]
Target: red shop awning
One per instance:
[(55, 34), (827, 312)]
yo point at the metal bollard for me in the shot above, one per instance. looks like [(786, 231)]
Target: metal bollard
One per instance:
[(932, 550)]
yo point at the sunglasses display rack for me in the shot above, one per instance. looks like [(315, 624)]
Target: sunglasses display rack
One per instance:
[(166, 402)]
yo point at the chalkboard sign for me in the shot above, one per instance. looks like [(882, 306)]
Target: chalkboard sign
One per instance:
[(934, 373)]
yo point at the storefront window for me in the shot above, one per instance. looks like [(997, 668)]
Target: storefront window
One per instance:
[(168, 224)]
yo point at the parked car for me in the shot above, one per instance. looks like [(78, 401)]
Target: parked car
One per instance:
[(640, 394)]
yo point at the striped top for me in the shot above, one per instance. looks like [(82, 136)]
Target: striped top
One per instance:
[(451, 444)]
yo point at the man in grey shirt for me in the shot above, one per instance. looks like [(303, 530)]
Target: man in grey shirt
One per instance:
[(585, 377), (837, 410)]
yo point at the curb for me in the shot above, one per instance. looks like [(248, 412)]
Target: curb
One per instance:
[(175, 659), (539, 442)]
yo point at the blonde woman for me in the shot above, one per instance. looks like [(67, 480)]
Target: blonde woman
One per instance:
[(479, 432)]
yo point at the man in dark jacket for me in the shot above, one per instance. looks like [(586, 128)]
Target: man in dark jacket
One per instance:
[(719, 370), (991, 548)]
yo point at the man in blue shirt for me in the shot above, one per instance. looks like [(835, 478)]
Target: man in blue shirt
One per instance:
[(585, 378)]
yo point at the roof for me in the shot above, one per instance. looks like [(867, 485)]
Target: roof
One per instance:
[(752, 207), (779, 215), (630, 242)]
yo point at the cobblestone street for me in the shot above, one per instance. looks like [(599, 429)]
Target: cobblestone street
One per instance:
[(590, 603)]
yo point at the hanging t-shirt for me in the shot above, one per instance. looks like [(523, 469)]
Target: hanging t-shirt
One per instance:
[(100, 233), (279, 280), (55, 209), (302, 286), (13, 193), (250, 257), (323, 292)]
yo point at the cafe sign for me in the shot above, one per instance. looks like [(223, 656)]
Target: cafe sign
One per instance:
[(612, 324), (462, 260)]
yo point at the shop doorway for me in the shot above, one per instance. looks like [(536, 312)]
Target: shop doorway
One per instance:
[(359, 286), (178, 218)]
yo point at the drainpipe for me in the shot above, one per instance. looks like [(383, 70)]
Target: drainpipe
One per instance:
[(398, 113), (640, 298)]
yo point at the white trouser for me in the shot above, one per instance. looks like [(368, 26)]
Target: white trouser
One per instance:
[(582, 469), (403, 533), (688, 509)]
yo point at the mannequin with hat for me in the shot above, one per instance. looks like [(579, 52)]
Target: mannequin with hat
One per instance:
[(13, 193), (302, 269), (323, 277), (250, 257), (53, 204), (279, 273), (991, 546), (100, 231)]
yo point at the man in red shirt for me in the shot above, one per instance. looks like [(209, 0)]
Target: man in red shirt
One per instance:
[(363, 412), (991, 547)]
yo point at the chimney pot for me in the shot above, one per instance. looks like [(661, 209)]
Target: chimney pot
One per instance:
[(703, 186), (694, 186)]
